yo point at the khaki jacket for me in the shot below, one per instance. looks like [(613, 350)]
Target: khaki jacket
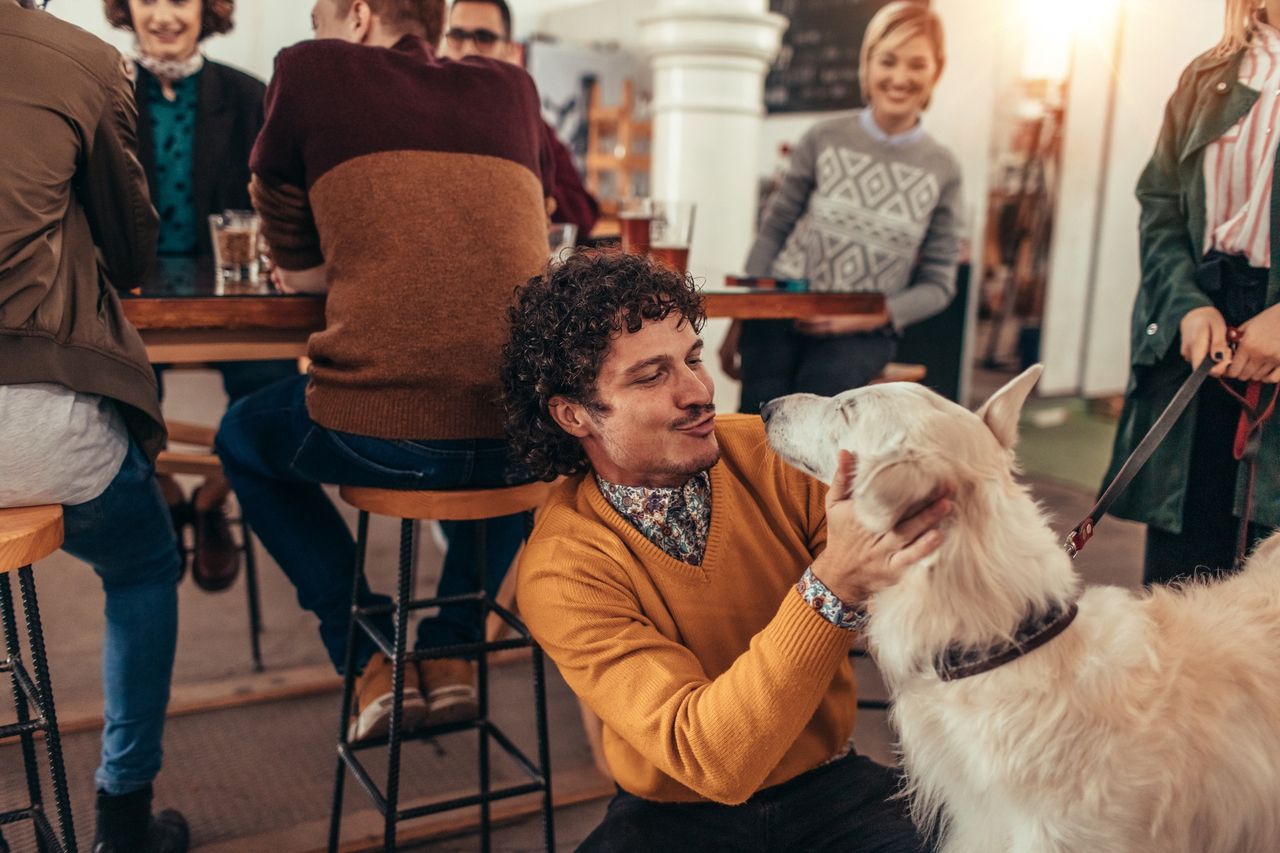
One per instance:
[(76, 220)]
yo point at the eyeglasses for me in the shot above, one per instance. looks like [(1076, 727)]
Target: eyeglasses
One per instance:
[(482, 37)]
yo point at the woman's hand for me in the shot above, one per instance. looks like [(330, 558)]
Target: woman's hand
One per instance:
[(1203, 332), (857, 563), (1257, 356), (841, 324), (729, 361)]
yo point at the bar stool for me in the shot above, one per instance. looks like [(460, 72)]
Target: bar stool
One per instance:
[(203, 462), (456, 505), (28, 534)]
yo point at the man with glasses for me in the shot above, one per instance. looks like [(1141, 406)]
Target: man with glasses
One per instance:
[(483, 28)]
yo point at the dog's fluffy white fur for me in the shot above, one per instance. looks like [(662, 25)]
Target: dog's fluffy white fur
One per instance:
[(1151, 724)]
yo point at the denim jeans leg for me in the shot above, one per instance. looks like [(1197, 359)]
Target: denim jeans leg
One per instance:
[(126, 535), (258, 441), (461, 623)]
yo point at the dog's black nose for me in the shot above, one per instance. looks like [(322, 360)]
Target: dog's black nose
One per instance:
[(766, 411)]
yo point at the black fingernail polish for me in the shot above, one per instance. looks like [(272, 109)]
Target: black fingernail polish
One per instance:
[(1217, 356)]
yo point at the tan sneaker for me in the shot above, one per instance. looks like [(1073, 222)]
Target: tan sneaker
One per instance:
[(449, 685), (373, 698)]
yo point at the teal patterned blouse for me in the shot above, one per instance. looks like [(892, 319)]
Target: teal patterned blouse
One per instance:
[(173, 129)]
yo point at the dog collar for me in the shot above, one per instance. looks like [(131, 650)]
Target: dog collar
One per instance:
[(956, 663)]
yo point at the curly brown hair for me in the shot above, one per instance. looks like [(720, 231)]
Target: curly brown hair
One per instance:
[(562, 325), (216, 16)]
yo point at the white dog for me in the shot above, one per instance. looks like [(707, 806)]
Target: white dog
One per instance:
[(1149, 723)]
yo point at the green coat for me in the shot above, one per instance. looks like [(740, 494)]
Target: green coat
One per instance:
[(1208, 101)]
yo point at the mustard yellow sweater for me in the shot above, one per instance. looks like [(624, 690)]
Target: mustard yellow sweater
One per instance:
[(713, 681)]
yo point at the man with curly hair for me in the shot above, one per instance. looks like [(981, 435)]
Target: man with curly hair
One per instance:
[(697, 594), (380, 182)]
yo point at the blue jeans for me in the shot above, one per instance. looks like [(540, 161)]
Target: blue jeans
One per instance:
[(276, 457), (126, 535)]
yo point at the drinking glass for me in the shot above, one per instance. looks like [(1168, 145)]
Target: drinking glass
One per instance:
[(633, 222), (235, 245), (561, 238), (671, 233)]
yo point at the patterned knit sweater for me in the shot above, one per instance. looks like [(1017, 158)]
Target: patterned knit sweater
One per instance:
[(862, 211), (420, 184), (713, 681)]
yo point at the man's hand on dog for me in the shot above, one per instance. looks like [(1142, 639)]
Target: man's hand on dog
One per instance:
[(858, 563)]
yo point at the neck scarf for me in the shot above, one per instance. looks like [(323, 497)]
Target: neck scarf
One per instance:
[(170, 70)]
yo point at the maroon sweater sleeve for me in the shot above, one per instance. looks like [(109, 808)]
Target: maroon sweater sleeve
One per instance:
[(573, 203)]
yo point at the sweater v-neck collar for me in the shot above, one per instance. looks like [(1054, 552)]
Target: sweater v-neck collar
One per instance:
[(651, 553)]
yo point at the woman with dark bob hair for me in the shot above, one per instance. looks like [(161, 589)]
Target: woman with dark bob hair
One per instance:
[(197, 121)]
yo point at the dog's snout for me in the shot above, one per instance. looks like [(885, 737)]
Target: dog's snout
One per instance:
[(768, 409)]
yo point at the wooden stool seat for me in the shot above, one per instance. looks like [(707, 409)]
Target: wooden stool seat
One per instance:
[(896, 371), (28, 534), (448, 505)]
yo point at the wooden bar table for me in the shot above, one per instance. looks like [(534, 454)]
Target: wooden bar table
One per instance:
[(184, 316)]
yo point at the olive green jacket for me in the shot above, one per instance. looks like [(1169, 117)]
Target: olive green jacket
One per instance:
[(1208, 101)]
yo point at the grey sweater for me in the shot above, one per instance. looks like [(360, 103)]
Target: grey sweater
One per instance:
[(861, 211)]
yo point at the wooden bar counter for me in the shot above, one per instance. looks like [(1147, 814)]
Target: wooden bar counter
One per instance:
[(184, 317)]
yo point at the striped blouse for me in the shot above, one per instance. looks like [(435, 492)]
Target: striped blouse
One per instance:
[(1238, 165)]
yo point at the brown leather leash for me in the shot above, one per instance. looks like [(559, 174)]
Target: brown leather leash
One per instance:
[(1248, 441)]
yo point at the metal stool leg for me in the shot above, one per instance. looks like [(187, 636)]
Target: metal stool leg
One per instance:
[(14, 651), (52, 739), (348, 685), (544, 747), (251, 591), (482, 686), (395, 738)]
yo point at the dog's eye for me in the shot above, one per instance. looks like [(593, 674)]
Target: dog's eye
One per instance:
[(846, 410)]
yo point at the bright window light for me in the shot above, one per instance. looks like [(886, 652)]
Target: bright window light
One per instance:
[(1052, 29)]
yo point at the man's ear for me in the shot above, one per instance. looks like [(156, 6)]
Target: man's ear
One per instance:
[(569, 416), (360, 19), (1001, 412)]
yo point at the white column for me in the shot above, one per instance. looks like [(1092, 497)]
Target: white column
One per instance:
[(709, 62)]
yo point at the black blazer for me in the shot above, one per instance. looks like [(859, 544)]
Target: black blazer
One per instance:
[(228, 118)]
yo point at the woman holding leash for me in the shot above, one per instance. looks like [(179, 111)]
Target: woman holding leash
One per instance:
[(870, 203), (1206, 238)]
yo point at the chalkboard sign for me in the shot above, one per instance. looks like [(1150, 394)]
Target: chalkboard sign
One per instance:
[(817, 68)]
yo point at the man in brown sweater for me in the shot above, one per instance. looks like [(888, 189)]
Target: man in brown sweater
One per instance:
[(380, 182)]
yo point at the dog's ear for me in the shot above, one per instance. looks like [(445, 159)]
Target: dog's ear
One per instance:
[(886, 490), (1001, 412)]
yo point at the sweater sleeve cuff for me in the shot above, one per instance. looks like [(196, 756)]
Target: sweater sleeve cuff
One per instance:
[(804, 636)]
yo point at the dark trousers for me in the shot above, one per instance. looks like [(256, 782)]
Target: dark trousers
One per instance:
[(1209, 527), (778, 360), (847, 805)]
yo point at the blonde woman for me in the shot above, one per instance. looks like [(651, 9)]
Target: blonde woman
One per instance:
[(1206, 240), (870, 203)]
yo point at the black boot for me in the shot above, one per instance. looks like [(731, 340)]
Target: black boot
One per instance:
[(125, 825)]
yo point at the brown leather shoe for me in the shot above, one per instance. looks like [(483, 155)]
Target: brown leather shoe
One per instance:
[(449, 686), (373, 700), (216, 558)]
